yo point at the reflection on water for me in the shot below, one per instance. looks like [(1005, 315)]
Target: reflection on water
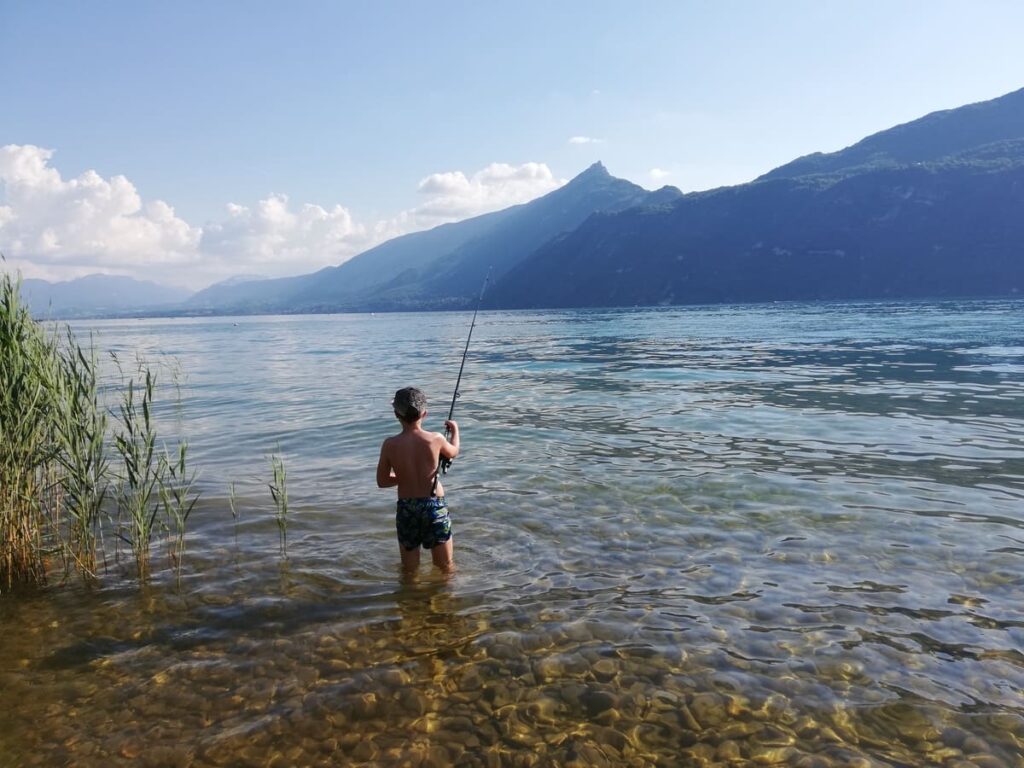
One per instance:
[(777, 535)]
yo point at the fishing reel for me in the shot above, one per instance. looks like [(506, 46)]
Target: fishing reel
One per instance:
[(444, 463)]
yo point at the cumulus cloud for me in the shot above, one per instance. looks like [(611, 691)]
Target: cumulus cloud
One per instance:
[(58, 229), (453, 196), (658, 174), (83, 224), (585, 140), (272, 237)]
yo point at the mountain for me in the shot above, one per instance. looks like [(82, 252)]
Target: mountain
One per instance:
[(443, 267), (396, 262), (97, 294), (454, 279), (260, 295), (933, 137), (931, 208)]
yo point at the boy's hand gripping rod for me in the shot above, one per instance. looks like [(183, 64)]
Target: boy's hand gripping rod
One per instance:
[(443, 464)]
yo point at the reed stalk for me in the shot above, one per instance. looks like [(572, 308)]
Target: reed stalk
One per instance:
[(233, 504), (143, 469), (153, 479), (80, 422), (178, 499), (56, 448), (53, 468), (279, 493), (27, 449)]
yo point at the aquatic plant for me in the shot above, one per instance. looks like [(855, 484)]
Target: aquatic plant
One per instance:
[(233, 505), (53, 467), (279, 493), (178, 497), (143, 468), (61, 458), (80, 426), (27, 450)]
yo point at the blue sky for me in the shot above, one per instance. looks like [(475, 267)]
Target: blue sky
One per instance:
[(329, 126)]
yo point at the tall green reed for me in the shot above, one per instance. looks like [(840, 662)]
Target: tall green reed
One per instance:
[(53, 466), (179, 498), (156, 482), (27, 450), (279, 493), (80, 427), (135, 441), (56, 451)]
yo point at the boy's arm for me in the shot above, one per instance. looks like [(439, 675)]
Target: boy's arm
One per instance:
[(450, 447), (385, 472)]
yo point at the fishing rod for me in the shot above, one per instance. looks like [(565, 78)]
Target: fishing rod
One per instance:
[(444, 463)]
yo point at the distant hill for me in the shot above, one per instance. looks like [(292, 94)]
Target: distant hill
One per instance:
[(98, 294), (259, 295), (439, 268), (928, 209), (934, 137)]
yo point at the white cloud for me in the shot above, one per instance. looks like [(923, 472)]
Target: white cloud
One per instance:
[(58, 229), (659, 174), (271, 237), (453, 196), (585, 140), (85, 223)]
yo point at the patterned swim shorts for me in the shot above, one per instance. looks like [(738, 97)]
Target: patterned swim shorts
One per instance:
[(422, 522)]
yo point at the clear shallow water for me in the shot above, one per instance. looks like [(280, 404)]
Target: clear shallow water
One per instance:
[(786, 534)]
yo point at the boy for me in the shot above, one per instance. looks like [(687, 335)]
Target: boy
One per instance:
[(409, 460)]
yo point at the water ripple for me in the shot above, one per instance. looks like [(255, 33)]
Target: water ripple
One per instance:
[(778, 534)]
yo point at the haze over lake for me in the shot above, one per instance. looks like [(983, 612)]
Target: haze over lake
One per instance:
[(775, 532)]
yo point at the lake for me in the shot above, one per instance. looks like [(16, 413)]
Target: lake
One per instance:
[(781, 534)]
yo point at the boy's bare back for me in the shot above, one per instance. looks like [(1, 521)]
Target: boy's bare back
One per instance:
[(411, 457)]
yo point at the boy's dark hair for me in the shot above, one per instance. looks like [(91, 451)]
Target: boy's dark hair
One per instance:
[(409, 404)]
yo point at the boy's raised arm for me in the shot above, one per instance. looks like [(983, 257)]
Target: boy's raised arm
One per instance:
[(450, 447), (385, 473)]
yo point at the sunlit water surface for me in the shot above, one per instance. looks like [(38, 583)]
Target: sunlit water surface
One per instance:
[(787, 534)]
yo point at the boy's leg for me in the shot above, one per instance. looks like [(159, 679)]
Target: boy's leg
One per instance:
[(410, 558), (443, 556), (407, 526), (440, 535)]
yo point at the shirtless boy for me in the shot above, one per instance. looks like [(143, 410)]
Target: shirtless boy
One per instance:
[(409, 460)]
